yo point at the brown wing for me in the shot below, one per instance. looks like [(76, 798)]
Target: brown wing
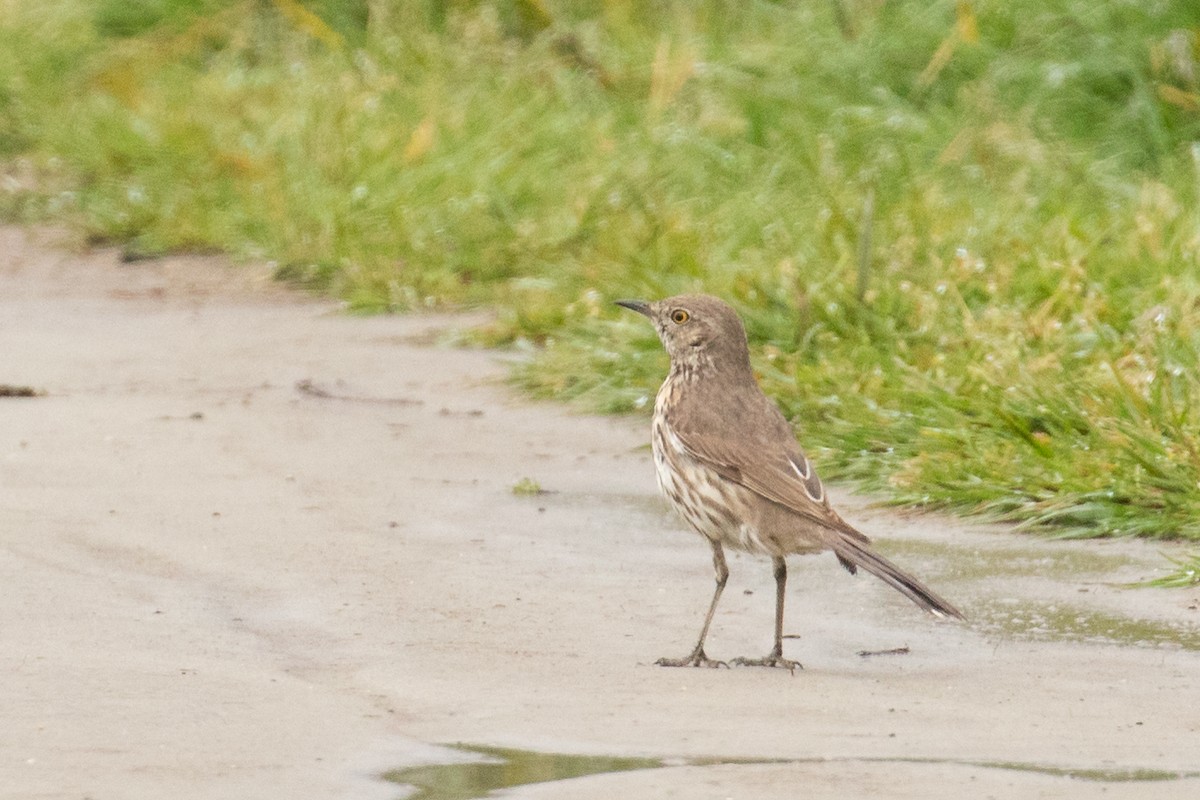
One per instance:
[(768, 462)]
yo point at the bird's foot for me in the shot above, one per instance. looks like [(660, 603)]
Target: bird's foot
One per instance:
[(695, 659), (772, 660)]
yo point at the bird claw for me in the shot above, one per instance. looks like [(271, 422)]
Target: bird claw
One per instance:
[(695, 659), (773, 660)]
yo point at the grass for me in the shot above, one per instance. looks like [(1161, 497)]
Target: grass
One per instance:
[(965, 236), (1187, 573), (527, 487)]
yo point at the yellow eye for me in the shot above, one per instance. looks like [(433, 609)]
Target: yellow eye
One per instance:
[(679, 316)]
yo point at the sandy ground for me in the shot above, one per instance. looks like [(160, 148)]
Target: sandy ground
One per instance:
[(216, 584)]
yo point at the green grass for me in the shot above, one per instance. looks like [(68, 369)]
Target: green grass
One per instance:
[(1187, 573), (965, 236), (527, 487)]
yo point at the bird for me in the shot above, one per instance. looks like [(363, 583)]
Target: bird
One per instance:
[(728, 462)]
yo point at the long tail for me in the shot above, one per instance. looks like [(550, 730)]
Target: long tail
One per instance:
[(851, 552)]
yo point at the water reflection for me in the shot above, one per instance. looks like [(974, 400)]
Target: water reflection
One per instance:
[(506, 768)]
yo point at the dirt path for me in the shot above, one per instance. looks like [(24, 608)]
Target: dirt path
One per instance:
[(221, 582)]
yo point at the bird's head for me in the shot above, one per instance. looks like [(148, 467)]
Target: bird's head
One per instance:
[(699, 331)]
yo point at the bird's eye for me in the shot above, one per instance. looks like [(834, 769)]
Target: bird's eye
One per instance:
[(679, 316)]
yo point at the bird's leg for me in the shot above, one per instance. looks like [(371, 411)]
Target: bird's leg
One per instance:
[(697, 658), (775, 657)]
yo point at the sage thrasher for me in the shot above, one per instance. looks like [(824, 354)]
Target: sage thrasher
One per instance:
[(728, 462)]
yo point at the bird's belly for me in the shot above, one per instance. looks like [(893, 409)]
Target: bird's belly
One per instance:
[(715, 507)]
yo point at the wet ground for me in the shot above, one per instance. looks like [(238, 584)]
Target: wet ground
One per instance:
[(252, 547), (494, 768)]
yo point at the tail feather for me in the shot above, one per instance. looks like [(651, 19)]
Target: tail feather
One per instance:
[(854, 553)]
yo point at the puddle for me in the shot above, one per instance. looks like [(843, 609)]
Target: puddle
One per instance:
[(966, 563), (1039, 622), (506, 768), (1015, 619), (1095, 775), (1027, 620)]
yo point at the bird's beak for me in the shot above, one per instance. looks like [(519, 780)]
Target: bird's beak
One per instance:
[(640, 306)]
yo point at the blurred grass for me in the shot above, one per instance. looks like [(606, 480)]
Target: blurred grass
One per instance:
[(1187, 573), (964, 235)]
